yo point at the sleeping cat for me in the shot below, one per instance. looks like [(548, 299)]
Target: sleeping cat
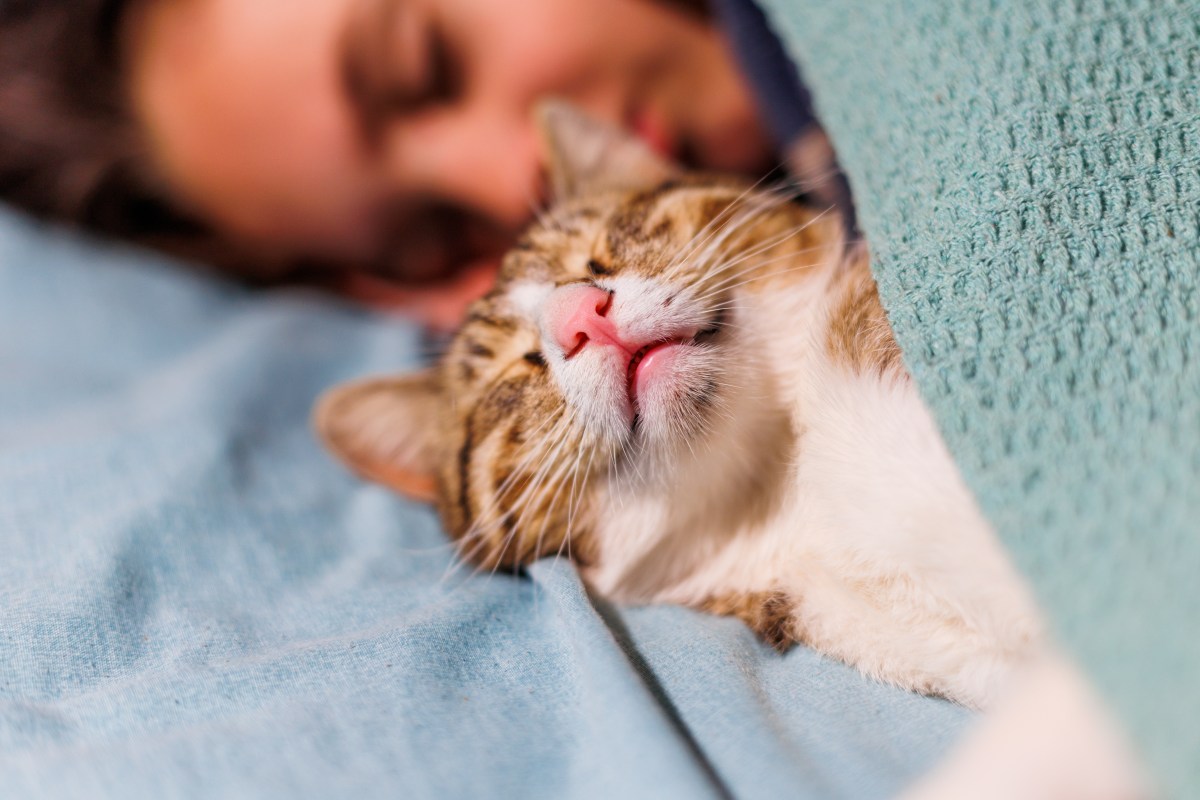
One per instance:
[(688, 385)]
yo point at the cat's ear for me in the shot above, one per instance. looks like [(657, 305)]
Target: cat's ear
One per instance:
[(385, 430), (584, 155)]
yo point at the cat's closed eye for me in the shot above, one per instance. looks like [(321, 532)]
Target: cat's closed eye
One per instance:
[(597, 269)]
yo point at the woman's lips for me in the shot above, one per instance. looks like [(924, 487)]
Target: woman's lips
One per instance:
[(650, 128)]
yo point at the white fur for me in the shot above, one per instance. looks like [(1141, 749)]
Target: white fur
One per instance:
[(858, 513)]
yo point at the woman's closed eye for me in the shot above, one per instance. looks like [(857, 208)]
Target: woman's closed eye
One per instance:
[(440, 80), (395, 61)]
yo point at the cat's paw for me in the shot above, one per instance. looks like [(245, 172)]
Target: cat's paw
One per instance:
[(768, 613)]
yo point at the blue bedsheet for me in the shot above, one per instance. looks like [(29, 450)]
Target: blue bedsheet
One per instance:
[(196, 602)]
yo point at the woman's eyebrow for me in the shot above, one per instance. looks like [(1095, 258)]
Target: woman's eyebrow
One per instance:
[(363, 64)]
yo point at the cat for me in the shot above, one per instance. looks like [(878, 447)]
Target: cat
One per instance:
[(688, 385)]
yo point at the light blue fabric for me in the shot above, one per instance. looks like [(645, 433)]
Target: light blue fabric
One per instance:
[(196, 602)]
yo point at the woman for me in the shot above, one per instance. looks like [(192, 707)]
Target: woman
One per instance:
[(355, 139)]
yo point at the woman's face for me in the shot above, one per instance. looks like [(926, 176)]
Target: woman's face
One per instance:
[(365, 130)]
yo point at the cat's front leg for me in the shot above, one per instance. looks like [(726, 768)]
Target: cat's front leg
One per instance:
[(934, 656), (768, 613)]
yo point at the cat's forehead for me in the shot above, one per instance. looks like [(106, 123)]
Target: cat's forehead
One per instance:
[(633, 234), (635, 231), (558, 245)]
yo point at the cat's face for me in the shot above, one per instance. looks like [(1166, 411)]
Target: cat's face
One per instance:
[(609, 358)]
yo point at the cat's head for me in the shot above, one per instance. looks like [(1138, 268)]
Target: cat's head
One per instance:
[(610, 364)]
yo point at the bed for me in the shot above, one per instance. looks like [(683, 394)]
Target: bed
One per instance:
[(196, 602)]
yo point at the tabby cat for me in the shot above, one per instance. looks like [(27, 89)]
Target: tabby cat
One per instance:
[(689, 386)]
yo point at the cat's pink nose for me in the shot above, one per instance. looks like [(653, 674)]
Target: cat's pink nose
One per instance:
[(578, 314)]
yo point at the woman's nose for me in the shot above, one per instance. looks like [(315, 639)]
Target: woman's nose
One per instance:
[(481, 159)]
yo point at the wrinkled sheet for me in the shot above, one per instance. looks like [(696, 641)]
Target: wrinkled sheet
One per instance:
[(195, 601)]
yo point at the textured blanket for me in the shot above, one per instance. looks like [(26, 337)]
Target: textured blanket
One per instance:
[(195, 601), (1028, 175)]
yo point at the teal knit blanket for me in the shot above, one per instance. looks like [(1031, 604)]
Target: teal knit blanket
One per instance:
[(1027, 173)]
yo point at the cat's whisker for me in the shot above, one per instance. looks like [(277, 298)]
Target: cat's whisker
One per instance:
[(784, 235), (529, 456), (763, 247), (729, 285), (572, 503), (535, 489), (549, 512), (723, 285), (753, 278), (588, 475), (769, 244), (720, 218), (812, 182), (722, 267), (561, 483), (762, 203), (453, 568), (479, 530), (700, 257), (730, 221), (611, 479), (637, 465), (521, 504), (518, 471), (723, 222), (718, 269)]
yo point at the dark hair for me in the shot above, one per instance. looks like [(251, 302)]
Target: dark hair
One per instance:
[(69, 149)]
